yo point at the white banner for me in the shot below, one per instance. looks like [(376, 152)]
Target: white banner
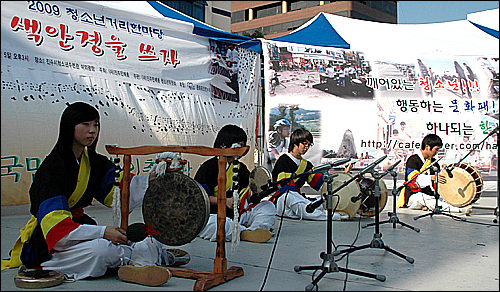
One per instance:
[(366, 105), (153, 82)]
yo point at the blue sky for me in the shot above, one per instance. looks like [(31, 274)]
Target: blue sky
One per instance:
[(410, 12)]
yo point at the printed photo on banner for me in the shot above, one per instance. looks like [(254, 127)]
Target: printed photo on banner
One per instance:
[(339, 72), (404, 99), (284, 119), (224, 61)]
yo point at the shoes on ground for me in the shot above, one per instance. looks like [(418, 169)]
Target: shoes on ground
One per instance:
[(467, 210), (174, 257), (145, 275), (258, 235), (344, 217)]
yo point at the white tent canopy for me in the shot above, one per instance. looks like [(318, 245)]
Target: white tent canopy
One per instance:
[(390, 41)]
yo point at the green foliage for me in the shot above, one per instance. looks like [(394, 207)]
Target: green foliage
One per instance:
[(256, 34)]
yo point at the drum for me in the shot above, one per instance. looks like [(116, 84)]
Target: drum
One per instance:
[(464, 188), (367, 206), (345, 205), (177, 208), (258, 177)]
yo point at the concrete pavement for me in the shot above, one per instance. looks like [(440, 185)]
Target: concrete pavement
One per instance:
[(448, 254)]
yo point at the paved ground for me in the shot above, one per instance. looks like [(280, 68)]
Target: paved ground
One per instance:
[(448, 254)]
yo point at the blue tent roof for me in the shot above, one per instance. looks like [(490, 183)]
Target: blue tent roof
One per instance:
[(490, 31), (207, 31), (318, 33)]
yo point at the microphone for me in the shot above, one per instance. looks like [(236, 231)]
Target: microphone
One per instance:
[(357, 198), (371, 166), (393, 166), (136, 232), (255, 198), (448, 170), (327, 166), (311, 207)]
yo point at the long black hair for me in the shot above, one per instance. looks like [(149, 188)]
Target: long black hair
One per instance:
[(73, 115)]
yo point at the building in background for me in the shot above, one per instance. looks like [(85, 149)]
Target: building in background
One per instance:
[(214, 13), (277, 18)]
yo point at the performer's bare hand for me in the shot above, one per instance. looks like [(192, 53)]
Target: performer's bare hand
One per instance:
[(348, 166), (115, 234), (230, 203), (441, 179)]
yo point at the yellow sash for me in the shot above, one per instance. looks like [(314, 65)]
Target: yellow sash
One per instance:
[(27, 231), (300, 169), (229, 182)]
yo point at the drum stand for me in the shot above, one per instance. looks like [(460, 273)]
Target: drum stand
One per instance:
[(437, 208), (377, 237), (393, 216), (329, 264), (221, 273)]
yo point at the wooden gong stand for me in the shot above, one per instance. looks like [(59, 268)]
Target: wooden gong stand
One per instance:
[(204, 279)]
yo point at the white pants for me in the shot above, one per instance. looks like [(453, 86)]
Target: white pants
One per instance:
[(420, 200), (93, 258), (260, 216), (296, 208)]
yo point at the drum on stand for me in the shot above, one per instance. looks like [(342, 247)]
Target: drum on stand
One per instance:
[(258, 177), (464, 188), (367, 206), (345, 205), (177, 207)]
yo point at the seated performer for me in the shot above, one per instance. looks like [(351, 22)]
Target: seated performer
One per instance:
[(60, 236), (255, 219), (292, 162), (421, 193)]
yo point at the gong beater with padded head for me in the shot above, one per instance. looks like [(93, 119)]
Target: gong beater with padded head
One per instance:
[(177, 207)]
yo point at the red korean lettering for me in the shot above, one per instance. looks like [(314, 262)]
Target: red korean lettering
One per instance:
[(147, 53), (65, 36), (117, 46), (425, 83), (170, 57)]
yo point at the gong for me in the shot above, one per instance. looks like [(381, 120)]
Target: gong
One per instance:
[(176, 207)]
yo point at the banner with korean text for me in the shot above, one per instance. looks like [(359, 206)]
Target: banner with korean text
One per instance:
[(152, 80), (366, 102)]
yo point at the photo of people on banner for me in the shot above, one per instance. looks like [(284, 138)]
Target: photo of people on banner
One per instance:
[(396, 104), (455, 98), (224, 66), (335, 71), (284, 119)]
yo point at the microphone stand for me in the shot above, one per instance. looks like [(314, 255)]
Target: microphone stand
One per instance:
[(377, 237), (437, 208), (329, 265), (393, 216)]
